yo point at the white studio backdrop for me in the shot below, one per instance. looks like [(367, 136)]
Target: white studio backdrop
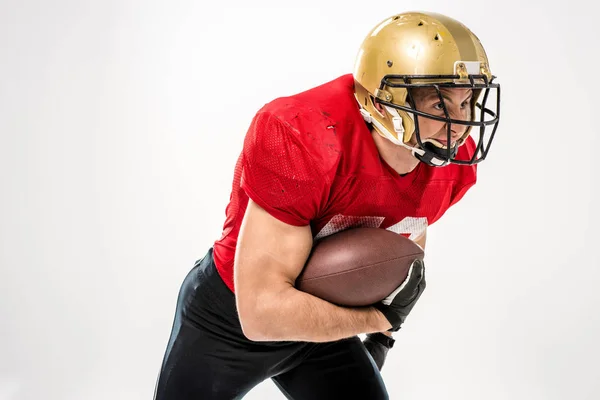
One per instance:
[(120, 123)]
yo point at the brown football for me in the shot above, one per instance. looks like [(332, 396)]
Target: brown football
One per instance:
[(358, 267)]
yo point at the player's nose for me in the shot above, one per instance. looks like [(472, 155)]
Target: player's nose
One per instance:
[(461, 115), (457, 130)]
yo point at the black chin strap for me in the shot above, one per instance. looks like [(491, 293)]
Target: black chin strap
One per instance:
[(435, 156)]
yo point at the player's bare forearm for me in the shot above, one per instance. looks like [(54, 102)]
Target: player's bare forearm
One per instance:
[(270, 255), (292, 315)]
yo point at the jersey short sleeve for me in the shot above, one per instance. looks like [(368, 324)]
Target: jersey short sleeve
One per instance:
[(279, 174)]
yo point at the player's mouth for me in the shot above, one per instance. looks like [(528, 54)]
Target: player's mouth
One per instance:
[(441, 143)]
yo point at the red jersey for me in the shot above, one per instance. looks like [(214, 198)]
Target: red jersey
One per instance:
[(310, 159)]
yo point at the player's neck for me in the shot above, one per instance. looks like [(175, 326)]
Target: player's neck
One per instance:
[(397, 157)]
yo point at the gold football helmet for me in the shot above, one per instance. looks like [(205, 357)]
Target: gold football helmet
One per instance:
[(419, 49)]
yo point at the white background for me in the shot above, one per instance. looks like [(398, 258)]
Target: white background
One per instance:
[(120, 123)]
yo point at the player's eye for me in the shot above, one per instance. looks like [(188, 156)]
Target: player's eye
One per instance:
[(439, 106)]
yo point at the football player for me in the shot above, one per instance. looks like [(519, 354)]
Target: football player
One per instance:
[(389, 146)]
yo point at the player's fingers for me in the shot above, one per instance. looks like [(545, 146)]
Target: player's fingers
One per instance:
[(416, 274), (416, 282), (410, 287)]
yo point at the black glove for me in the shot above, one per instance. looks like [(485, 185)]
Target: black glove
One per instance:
[(378, 345), (398, 305)]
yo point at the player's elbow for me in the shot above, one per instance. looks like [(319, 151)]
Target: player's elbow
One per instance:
[(257, 333), (255, 318), (251, 326)]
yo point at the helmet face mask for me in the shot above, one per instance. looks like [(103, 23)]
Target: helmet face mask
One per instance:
[(425, 50), (482, 117)]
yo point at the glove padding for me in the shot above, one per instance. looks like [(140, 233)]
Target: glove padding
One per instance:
[(378, 345), (401, 301)]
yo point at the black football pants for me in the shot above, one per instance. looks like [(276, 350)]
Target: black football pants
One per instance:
[(208, 357)]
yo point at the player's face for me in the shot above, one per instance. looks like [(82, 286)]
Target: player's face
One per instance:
[(458, 103)]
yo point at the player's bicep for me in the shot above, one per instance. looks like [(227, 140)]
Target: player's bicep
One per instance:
[(270, 254)]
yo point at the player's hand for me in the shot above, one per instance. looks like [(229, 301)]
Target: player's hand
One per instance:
[(401, 301), (378, 345)]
